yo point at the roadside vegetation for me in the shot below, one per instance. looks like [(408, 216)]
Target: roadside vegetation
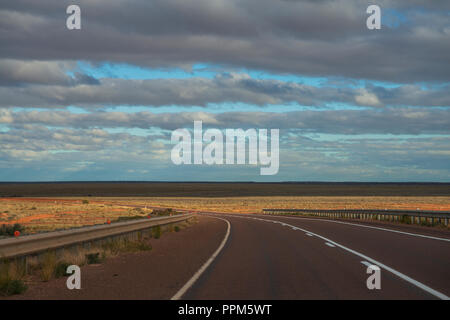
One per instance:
[(41, 215), (14, 274), (9, 230), (255, 204)]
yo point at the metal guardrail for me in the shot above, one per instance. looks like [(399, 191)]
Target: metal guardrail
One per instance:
[(33, 244), (411, 216)]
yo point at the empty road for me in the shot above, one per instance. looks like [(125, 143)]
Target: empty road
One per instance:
[(231, 256), (276, 257)]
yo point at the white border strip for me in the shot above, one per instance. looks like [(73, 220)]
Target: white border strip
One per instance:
[(200, 271)]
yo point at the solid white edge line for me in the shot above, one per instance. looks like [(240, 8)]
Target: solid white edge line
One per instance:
[(379, 264), (330, 244), (372, 227), (348, 223), (202, 269)]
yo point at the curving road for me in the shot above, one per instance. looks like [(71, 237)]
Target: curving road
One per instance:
[(276, 257), (237, 256)]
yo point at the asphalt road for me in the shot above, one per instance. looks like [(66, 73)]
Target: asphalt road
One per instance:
[(226, 256), (307, 258)]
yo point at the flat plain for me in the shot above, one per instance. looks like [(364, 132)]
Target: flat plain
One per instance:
[(49, 206)]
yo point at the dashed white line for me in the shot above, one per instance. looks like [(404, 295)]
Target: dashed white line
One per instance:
[(383, 266), (372, 227), (375, 262), (330, 244)]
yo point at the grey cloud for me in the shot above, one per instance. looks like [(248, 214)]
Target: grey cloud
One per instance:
[(16, 72), (387, 121), (230, 88), (318, 38), (39, 139)]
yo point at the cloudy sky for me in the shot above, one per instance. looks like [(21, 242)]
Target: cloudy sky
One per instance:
[(100, 103)]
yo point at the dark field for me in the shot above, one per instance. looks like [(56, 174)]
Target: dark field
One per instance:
[(208, 189)]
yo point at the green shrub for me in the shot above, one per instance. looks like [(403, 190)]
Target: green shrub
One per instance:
[(8, 230), (128, 218), (61, 269), (176, 228), (426, 223), (405, 219), (156, 232), (85, 202), (11, 274), (11, 287), (93, 258)]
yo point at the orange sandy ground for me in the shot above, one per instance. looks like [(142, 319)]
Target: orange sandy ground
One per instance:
[(43, 214), (38, 214)]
